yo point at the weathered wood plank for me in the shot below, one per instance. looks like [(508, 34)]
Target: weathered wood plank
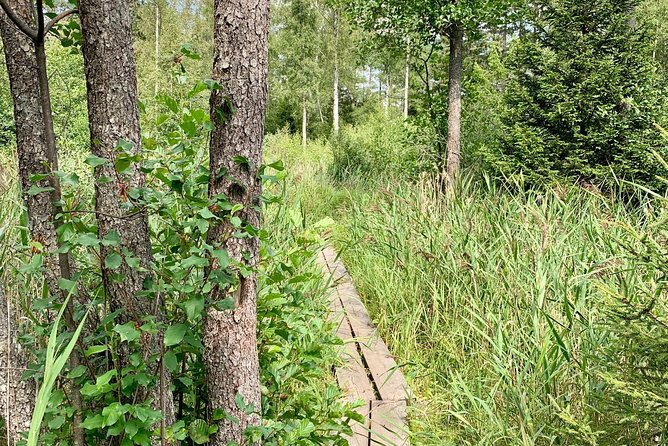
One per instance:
[(389, 380), (361, 433), (369, 372), (388, 423), (352, 375)]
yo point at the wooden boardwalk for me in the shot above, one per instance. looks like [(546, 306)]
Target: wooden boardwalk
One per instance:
[(369, 372)]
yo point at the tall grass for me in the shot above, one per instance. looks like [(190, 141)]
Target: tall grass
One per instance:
[(494, 301)]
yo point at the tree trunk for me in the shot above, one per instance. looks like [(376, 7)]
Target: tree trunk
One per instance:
[(304, 125), (335, 111), (16, 395), (406, 86), (114, 117), (240, 66), (157, 47), (453, 147), (370, 83), (36, 156), (388, 90)]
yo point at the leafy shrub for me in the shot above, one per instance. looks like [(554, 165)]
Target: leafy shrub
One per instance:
[(297, 346), (379, 147)]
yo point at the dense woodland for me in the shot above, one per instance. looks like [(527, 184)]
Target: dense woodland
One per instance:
[(493, 173)]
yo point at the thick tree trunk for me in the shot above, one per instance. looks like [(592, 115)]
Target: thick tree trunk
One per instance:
[(16, 395), (36, 146), (34, 151), (453, 147), (114, 117), (240, 66)]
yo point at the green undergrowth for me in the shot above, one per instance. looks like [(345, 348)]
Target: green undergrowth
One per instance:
[(520, 317), (301, 405)]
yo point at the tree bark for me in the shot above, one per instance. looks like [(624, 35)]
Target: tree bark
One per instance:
[(453, 147), (335, 111), (304, 125), (240, 66), (406, 86), (17, 396), (36, 146), (114, 117)]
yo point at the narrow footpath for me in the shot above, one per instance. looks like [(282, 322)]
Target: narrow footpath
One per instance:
[(369, 371)]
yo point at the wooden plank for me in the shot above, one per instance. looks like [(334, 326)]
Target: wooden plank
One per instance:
[(361, 432), (389, 380), (352, 375), (371, 376), (388, 423), (354, 381)]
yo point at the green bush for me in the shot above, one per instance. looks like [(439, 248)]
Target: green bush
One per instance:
[(379, 147)]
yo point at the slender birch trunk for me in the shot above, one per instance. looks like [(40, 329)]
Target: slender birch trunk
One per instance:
[(230, 340), (387, 90), (453, 147), (304, 125), (335, 111), (406, 84), (157, 48)]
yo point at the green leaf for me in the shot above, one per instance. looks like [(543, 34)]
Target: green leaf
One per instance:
[(224, 304), (36, 190), (77, 372), (206, 213), (194, 308), (128, 332), (223, 258), (93, 422), (112, 239), (88, 240), (124, 145), (171, 362), (37, 177), (174, 334), (56, 422), (67, 285), (113, 260), (96, 161), (199, 431), (95, 349), (241, 404), (195, 261)]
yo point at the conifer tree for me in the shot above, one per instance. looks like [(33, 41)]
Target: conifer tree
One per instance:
[(584, 98)]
